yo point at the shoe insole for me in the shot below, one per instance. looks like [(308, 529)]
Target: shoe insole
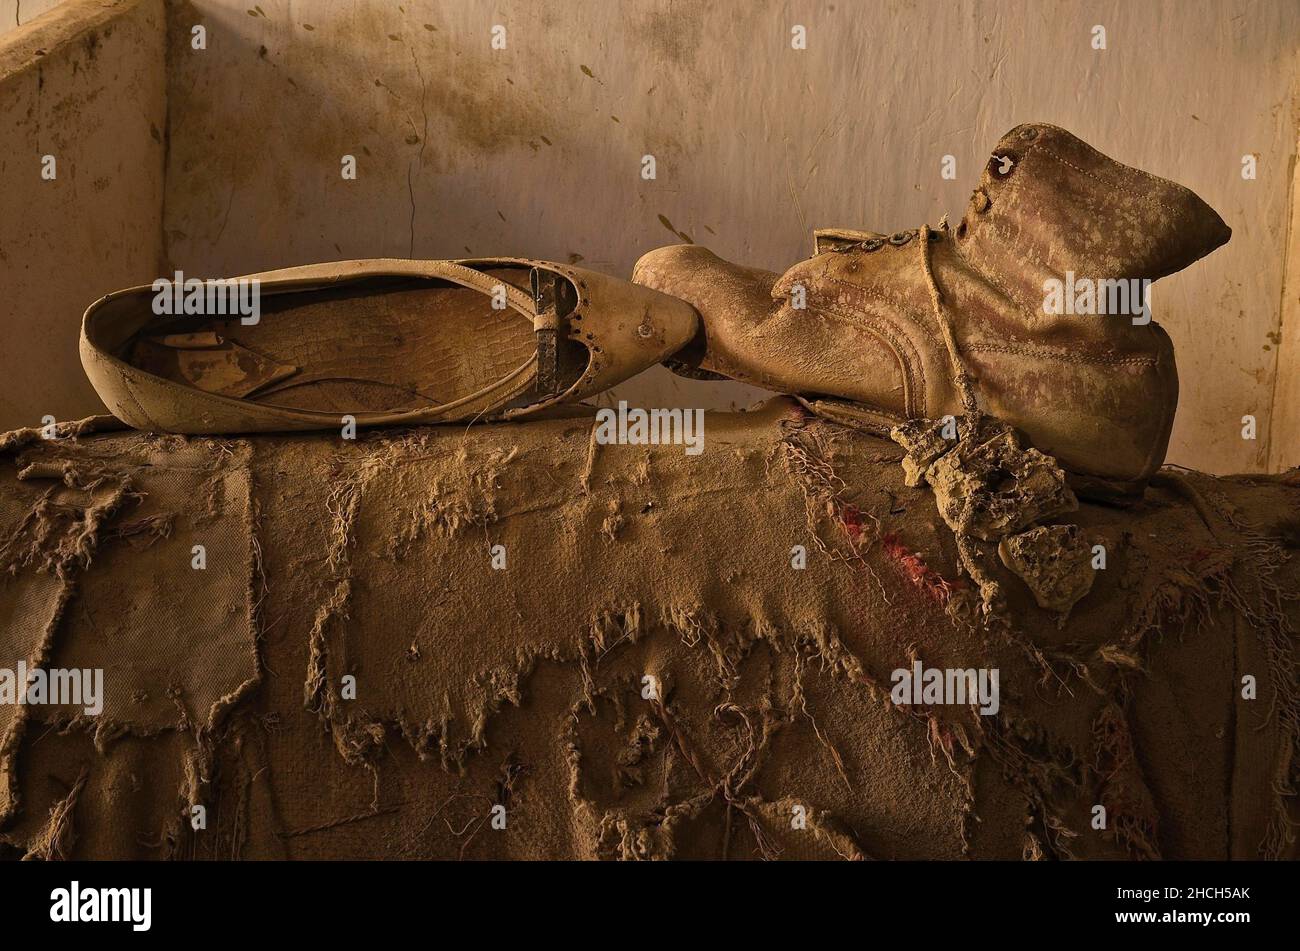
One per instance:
[(387, 346)]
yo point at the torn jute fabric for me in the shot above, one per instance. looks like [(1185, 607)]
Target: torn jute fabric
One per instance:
[(515, 641)]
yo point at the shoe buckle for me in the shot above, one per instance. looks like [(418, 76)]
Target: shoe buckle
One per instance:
[(553, 300)]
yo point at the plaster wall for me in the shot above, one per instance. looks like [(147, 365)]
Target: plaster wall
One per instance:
[(83, 84), (537, 149), (14, 13)]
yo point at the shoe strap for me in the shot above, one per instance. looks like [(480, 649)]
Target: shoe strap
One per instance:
[(476, 280), (338, 272)]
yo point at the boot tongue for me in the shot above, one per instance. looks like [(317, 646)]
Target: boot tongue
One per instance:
[(1048, 204)]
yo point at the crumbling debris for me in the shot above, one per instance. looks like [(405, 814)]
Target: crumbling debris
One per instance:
[(1054, 561), (986, 486), (923, 442)]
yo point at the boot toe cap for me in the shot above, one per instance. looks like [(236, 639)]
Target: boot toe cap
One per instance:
[(670, 269)]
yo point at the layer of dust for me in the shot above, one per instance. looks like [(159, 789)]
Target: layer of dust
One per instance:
[(648, 674)]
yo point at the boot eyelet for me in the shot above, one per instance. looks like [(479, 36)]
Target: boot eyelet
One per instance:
[(935, 236), (900, 238), (871, 244), (1003, 166)]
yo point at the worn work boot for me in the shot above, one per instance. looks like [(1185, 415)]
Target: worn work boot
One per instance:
[(1033, 309), (379, 342)]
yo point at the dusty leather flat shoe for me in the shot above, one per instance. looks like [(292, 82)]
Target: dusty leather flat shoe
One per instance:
[(384, 341), (928, 323)]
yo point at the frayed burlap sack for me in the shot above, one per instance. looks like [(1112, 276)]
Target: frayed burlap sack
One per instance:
[(516, 641)]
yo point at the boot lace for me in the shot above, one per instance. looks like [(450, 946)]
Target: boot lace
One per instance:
[(960, 378)]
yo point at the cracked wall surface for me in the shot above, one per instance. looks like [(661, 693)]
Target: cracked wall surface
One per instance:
[(14, 13), (351, 677)]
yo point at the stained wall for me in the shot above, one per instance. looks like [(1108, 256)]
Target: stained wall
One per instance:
[(83, 84)]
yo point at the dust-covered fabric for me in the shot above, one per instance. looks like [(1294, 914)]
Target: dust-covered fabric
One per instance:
[(517, 641)]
